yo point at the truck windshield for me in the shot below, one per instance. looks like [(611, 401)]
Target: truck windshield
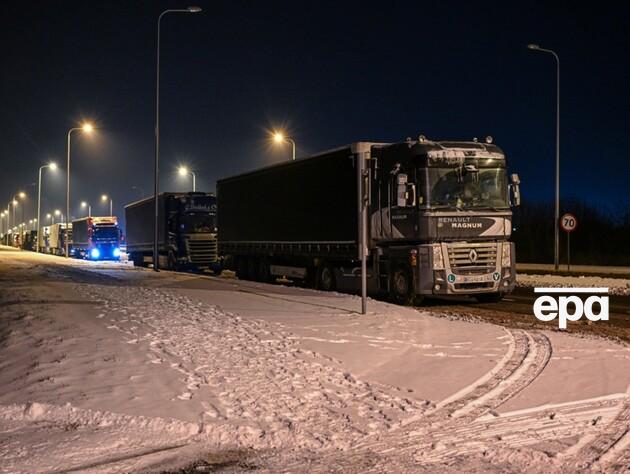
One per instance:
[(458, 188), (198, 222), (106, 233)]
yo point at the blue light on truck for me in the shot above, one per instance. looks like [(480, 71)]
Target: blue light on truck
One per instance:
[(116, 252), (95, 253)]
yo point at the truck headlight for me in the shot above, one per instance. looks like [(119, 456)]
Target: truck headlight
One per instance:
[(95, 253), (116, 252), (506, 254), (438, 258)]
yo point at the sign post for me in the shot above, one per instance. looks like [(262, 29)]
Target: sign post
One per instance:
[(568, 222)]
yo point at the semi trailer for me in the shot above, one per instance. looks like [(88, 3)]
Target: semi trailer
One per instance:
[(57, 239), (187, 231), (96, 238), (438, 220)]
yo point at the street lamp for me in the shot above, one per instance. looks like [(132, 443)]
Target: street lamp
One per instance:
[(104, 198), (556, 249), (58, 214), (192, 9), (14, 202), (183, 171), (53, 167), (86, 128), (89, 208), (49, 216), (279, 137)]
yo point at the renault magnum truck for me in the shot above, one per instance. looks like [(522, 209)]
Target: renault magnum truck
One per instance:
[(439, 220), (96, 238), (187, 231)]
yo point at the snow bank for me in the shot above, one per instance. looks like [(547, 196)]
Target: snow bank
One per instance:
[(616, 286)]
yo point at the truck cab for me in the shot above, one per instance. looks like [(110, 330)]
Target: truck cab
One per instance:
[(450, 202)]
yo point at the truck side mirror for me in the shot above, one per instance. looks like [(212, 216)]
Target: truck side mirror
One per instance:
[(515, 190)]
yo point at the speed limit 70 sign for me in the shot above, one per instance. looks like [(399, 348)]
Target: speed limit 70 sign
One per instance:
[(568, 222)]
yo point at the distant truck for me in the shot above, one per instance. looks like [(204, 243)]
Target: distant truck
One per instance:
[(57, 239), (187, 231), (96, 238), (439, 220)]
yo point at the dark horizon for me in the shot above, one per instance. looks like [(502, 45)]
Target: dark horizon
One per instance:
[(329, 74)]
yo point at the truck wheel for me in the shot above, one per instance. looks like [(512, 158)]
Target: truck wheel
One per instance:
[(252, 268), (241, 268), (325, 278), (489, 297), (264, 272), (172, 261), (401, 287)]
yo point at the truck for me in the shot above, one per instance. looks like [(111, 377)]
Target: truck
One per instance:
[(187, 231), (438, 220), (96, 238), (57, 238)]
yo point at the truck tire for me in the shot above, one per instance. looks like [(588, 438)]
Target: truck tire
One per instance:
[(489, 297), (241, 268), (401, 286), (172, 261), (325, 279), (264, 270)]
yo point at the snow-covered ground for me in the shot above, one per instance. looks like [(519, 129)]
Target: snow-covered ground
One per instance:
[(616, 286), (106, 368)]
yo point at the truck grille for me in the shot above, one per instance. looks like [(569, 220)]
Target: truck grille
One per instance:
[(472, 258), (202, 252)]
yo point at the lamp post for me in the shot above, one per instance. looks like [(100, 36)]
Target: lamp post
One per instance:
[(183, 171), (87, 128), (49, 216), (279, 137), (104, 198), (156, 183), (53, 167), (556, 249), (89, 208)]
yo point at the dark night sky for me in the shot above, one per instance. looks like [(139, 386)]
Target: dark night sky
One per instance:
[(330, 72)]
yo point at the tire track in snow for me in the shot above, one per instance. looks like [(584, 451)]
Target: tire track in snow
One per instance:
[(527, 357), (608, 449)]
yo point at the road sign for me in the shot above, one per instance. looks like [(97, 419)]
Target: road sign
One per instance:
[(568, 222)]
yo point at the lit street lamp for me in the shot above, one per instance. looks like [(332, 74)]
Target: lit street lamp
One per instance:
[(87, 128), (59, 214), (279, 137), (49, 216), (556, 249), (157, 132), (183, 171), (14, 202), (89, 208), (53, 167), (104, 198)]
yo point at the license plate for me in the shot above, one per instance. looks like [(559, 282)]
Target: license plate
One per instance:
[(473, 278)]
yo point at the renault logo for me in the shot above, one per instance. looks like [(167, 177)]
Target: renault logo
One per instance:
[(472, 255)]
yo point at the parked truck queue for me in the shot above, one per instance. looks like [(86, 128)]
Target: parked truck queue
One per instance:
[(439, 223)]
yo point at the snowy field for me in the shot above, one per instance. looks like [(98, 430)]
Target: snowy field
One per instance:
[(114, 369)]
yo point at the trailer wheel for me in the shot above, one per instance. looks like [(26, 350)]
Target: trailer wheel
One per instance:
[(400, 287), (172, 261), (325, 278), (241, 268), (252, 269), (264, 270)]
